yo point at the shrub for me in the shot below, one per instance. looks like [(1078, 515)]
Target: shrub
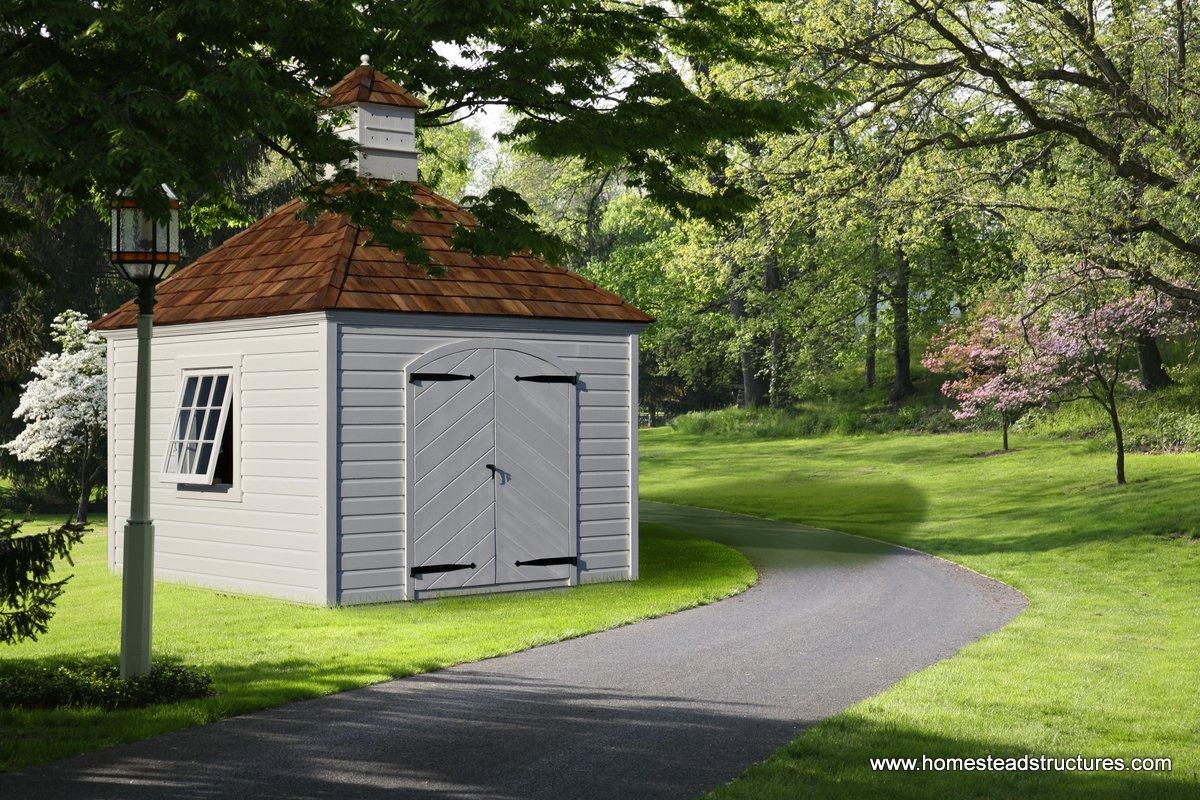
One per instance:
[(100, 686), (27, 593), (818, 420)]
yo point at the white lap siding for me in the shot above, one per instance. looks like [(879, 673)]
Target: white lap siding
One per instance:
[(373, 351), (266, 535)]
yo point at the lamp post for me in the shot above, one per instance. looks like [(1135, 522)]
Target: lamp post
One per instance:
[(144, 249)]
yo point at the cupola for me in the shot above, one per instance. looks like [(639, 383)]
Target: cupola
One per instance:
[(382, 120)]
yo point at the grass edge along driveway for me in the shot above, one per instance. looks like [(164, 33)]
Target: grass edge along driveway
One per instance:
[(1104, 662), (263, 653)]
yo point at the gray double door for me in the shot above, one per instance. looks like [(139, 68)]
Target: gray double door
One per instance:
[(491, 470)]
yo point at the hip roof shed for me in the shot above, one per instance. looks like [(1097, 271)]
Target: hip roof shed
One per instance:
[(337, 425)]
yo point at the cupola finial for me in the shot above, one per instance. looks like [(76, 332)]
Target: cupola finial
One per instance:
[(365, 59)]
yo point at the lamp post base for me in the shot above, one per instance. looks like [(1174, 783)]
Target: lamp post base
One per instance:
[(137, 585)]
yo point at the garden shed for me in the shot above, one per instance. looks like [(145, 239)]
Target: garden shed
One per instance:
[(333, 424)]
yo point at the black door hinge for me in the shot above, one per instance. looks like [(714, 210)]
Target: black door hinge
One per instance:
[(428, 568), (549, 378), (438, 376), (548, 562)]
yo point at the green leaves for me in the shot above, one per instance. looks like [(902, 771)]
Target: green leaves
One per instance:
[(371, 205), (194, 93), (15, 267), (27, 593), (507, 225)]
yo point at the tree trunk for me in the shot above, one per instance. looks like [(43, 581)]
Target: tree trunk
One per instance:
[(776, 389), (1181, 34), (754, 388), (872, 331), (85, 485), (777, 392), (902, 385), (772, 283), (1150, 363), (1111, 407), (1005, 423)]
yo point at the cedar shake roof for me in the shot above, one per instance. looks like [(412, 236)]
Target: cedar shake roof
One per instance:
[(283, 265), (368, 85)]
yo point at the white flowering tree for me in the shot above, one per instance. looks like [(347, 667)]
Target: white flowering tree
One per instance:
[(64, 407)]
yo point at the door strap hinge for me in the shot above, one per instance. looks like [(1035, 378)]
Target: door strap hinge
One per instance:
[(549, 378), (428, 568), (438, 376), (548, 562)]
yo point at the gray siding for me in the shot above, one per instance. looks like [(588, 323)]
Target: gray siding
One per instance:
[(267, 535), (373, 350)]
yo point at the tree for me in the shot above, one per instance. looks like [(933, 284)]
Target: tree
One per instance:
[(1070, 339), (1103, 96), (27, 595), (65, 406), (100, 97), (1079, 350), (985, 355)]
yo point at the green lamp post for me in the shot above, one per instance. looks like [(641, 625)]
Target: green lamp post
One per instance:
[(144, 249)]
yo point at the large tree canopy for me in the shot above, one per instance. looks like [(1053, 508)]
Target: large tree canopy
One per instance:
[(1100, 97), (96, 97)]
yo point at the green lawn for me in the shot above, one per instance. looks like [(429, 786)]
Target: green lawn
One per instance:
[(262, 652), (1105, 661)]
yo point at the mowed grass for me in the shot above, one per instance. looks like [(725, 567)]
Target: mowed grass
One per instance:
[(263, 653), (1104, 662)]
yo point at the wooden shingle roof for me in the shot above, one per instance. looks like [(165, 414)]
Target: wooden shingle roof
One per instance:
[(368, 85), (283, 265)]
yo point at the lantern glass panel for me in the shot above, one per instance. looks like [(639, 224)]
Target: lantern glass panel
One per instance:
[(136, 270), (141, 246)]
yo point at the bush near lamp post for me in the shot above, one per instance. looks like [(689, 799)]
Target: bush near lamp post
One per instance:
[(28, 592), (90, 685)]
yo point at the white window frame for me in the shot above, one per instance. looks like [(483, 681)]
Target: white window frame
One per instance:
[(196, 478)]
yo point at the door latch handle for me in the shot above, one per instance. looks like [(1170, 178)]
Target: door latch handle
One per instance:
[(492, 467)]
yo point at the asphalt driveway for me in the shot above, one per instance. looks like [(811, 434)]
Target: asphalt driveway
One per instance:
[(666, 708)]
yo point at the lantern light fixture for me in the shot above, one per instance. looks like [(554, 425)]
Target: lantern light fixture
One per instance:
[(143, 248)]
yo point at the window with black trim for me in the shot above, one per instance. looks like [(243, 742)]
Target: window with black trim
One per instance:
[(200, 448)]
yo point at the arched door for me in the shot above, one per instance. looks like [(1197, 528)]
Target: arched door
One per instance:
[(490, 468)]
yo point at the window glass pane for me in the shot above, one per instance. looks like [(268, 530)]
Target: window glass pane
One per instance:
[(189, 392), (210, 430), (173, 452), (181, 426), (218, 395), (189, 458), (202, 461), (205, 387), (193, 431)]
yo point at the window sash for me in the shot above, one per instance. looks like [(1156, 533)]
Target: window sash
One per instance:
[(201, 414)]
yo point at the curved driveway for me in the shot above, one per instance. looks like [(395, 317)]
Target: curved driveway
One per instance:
[(666, 708)]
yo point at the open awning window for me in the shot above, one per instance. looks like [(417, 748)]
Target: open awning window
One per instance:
[(198, 432)]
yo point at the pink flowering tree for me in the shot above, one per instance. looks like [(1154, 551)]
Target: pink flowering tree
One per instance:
[(984, 355), (1081, 349), (1075, 343)]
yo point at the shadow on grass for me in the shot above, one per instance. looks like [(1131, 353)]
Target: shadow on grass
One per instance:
[(814, 499), (1033, 510)]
